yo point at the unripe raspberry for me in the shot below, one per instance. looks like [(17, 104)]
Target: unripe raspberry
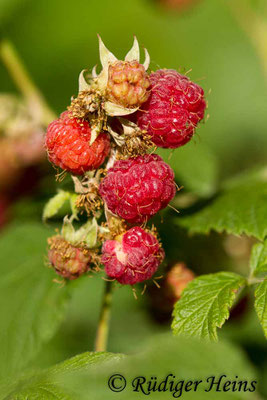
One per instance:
[(178, 5), (68, 145), (137, 188), (69, 261), (176, 280), (133, 257), (175, 107), (128, 83), (162, 300)]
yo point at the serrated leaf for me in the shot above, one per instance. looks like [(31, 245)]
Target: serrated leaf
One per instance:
[(258, 259), (134, 53), (240, 208), (261, 304), (54, 204), (205, 303), (31, 304)]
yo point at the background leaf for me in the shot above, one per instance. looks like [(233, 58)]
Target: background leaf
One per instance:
[(240, 208), (261, 304), (86, 375), (205, 303), (49, 384), (195, 167), (31, 305)]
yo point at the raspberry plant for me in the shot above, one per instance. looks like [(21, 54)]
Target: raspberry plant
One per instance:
[(93, 235), (105, 140)]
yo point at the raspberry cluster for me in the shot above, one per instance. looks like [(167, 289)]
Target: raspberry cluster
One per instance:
[(118, 117)]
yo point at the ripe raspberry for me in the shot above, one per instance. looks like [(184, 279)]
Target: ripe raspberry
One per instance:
[(70, 262), (175, 107), (127, 83), (67, 143), (134, 257), (137, 188)]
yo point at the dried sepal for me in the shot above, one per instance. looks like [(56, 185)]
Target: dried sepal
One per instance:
[(134, 52), (147, 59), (95, 131), (118, 138), (106, 57), (94, 73), (114, 110), (83, 84)]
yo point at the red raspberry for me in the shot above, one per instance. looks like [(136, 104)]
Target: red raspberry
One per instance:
[(70, 262), (67, 143), (128, 83), (137, 188), (133, 257), (173, 110)]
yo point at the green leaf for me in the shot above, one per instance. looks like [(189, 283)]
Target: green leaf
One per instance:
[(205, 303), (240, 208), (31, 305), (258, 259), (51, 383), (86, 376), (83, 362), (261, 304), (195, 167), (55, 204)]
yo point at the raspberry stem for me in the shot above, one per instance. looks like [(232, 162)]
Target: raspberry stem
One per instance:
[(23, 81), (104, 319)]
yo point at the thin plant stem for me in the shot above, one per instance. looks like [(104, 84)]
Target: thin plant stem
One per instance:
[(23, 81), (104, 319)]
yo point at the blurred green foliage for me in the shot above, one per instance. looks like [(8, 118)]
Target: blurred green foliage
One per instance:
[(57, 39)]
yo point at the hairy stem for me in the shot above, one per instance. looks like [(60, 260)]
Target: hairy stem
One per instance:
[(104, 319), (24, 82)]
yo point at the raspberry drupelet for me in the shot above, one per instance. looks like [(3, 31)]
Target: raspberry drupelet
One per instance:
[(128, 83), (137, 188), (69, 261), (68, 145), (133, 257), (175, 106)]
